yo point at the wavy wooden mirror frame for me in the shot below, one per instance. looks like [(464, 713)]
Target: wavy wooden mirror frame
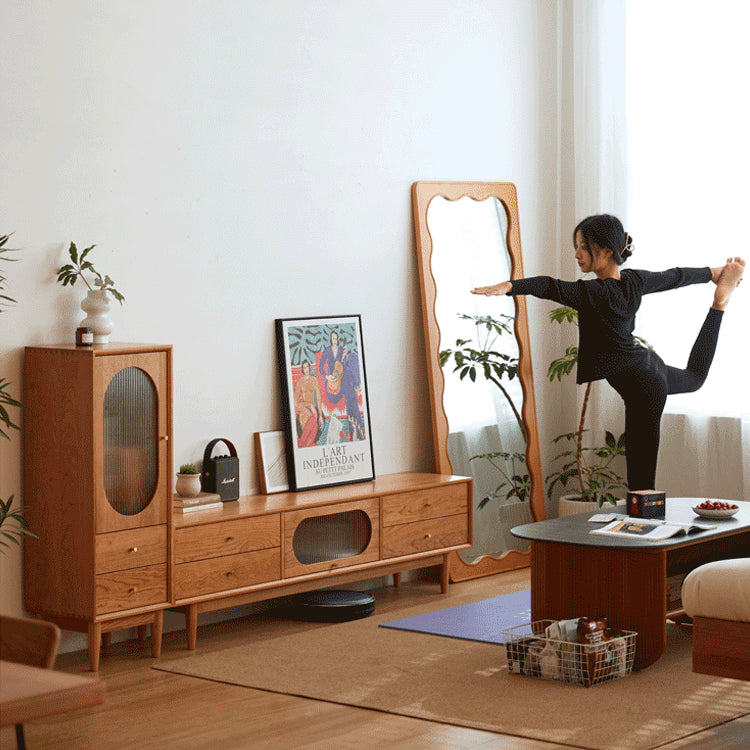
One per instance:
[(505, 192)]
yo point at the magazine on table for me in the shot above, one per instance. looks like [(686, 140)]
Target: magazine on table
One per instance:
[(651, 528)]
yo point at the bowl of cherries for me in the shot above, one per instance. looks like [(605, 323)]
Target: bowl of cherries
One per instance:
[(716, 509)]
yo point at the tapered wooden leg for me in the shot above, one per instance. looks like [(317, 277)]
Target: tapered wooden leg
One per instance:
[(95, 639), (397, 579), (445, 574), (157, 626), (191, 625), (107, 640), (142, 632)]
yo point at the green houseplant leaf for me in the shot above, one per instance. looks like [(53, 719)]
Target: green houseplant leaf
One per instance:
[(69, 273)]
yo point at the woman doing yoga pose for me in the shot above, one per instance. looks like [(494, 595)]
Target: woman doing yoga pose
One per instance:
[(607, 348)]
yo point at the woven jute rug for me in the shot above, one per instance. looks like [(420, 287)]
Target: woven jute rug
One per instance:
[(467, 683)]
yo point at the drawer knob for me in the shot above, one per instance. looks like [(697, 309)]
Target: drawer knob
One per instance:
[(230, 573), (133, 549), (428, 536), (229, 539), (133, 590)]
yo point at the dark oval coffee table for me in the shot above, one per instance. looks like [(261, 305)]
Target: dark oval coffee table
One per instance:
[(576, 573)]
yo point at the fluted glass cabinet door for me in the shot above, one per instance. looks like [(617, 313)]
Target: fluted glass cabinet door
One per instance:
[(132, 436), (131, 441)]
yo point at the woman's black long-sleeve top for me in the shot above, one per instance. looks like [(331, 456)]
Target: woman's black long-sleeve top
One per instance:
[(606, 313)]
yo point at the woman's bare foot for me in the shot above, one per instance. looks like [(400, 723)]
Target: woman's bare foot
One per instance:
[(728, 281)]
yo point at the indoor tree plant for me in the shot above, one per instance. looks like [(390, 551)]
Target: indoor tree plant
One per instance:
[(96, 304), (516, 484), (493, 365), (13, 525), (482, 357), (591, 467)]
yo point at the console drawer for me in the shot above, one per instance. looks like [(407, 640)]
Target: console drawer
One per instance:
[(422, 536), (128, 589), (225, 573), (232, 537), (436, 502), (135, 548)]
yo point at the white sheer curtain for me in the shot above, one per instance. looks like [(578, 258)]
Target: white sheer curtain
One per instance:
[(594, 173), (689, 157), (655, 92)]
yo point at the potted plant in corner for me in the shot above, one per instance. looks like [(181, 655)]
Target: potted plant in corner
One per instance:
[(188, 481), (96, 304), (596, 480), (13, 525)]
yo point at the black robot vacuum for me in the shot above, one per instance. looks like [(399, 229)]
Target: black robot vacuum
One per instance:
[(331, 606)]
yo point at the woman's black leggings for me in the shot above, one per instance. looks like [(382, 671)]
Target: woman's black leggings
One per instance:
[(645, 388)]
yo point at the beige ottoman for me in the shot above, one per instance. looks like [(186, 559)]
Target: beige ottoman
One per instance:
[(717, 597)]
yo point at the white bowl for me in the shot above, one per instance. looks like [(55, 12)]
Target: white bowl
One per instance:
[(706, 513)]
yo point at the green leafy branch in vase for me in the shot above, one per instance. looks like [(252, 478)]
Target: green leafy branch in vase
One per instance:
[(79, 264), (483, 358)]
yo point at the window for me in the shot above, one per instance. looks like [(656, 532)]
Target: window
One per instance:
[(689, 163)]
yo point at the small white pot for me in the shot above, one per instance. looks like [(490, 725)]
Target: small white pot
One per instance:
[(569, 505), (188, 485)]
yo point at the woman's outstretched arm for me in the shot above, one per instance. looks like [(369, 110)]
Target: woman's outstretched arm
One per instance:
[(568, 293), (504, 287)]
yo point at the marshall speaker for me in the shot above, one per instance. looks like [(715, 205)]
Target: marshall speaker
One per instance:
[(221, 474)]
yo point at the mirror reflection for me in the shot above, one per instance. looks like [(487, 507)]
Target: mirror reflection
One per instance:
[(483, 396)]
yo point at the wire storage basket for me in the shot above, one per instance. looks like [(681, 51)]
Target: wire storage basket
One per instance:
[(531, 651)]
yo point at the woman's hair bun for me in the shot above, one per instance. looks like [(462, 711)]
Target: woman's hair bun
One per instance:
[(627, 251)]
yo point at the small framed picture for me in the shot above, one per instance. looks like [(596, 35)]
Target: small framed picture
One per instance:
[(324, 397), (270, 453)]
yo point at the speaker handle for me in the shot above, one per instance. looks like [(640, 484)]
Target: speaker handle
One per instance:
[(210, 447)]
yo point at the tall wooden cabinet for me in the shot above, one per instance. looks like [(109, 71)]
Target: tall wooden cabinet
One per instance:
[(97, 487)]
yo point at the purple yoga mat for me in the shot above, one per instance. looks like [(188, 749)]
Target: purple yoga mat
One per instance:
[(479, 621)]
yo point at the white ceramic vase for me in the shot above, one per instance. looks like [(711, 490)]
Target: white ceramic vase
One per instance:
[(188, 485), (569, 505), (97, 305)]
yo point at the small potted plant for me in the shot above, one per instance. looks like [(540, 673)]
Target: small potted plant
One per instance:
[(188, 481), (96, 304)]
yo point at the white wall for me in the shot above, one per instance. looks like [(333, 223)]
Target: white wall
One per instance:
[(236, 162)]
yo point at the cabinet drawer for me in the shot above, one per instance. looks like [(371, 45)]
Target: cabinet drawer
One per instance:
[(225, 573), (431, 503), (422, 536), (227, 537), (127, 589), (122, 550)]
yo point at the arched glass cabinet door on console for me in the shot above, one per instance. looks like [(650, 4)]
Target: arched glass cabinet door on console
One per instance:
[(479, 364)]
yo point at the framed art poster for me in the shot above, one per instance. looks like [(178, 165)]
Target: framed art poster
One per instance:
[(324, 397)]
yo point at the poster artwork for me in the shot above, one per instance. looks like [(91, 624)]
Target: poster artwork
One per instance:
[(327, 401)]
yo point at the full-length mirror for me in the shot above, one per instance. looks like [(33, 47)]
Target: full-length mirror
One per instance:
[(479, 364)]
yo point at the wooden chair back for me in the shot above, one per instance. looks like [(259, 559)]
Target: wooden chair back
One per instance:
[(29, 641)]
